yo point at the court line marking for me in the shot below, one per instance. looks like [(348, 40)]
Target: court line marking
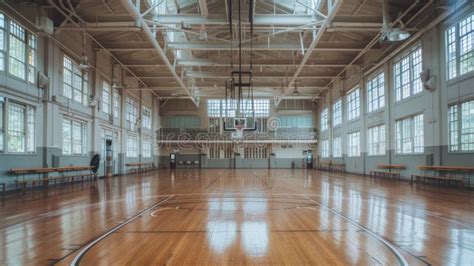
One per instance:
[(399, 256), (78, 257)]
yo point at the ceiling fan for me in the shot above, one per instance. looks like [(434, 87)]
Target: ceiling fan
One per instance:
[(389, 34)]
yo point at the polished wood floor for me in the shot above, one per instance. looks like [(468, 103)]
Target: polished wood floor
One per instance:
[(224, 217)]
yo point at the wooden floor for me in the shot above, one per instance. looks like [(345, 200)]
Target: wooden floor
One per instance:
[(218, 217)]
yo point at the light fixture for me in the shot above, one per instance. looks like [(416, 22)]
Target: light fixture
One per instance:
[(389, 34)]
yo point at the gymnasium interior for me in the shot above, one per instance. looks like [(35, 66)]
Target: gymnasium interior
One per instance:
[(236, 132)]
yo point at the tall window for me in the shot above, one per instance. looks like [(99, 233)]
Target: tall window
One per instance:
[(17, 50), (132, 146), (17, 127), (74, 137), (31, 58), (324, 149), (255, 152), (146, 117), (106, 97), (409, 135), (21, 52), (117, 102), (337, 147), (2, 127), (324, 119), (75, 81), (131, 112), (353, 104), (461, 127), (407, 75), (2, 42), (376, 140), (353, 144), (375, 93), (146, 148), (460, 47), (337, 113)]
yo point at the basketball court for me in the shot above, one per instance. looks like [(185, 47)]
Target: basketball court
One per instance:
[(236, 132)]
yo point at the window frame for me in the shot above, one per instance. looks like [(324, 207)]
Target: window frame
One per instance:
[(375, 148), (146, 147), (353, 148), (131, 112), (337, 151), (408, 84), (337, 116), (128, 149), (376, 92), (147, 118), (324, 150), (453, 44), (28, 123), (324, 121), (353, 103), (458, 124), (401, 129), (106, 97), (83, 135), (74, 70), (28, 52)]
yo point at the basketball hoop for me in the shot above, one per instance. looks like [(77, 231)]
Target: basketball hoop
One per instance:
[(239, 132)]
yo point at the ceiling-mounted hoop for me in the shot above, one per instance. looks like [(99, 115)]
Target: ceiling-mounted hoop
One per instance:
[(240, 80)]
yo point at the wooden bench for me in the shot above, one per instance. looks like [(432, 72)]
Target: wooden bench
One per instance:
[(447, 174), (140, 167), (386, 171), (337, 167), (46, 180), (325, 166)]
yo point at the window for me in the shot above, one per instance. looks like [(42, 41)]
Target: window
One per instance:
[(2, 42), (409, 135), (17, 127), (75, 81), (375, 93), (74, 137), (337, 147), (214, 125), (221, 108), (324, 148), (117, 102), (353, 104), (16, 132), (19, 46), (376, 140), (213, 108), (354, 144), (131, 112), (2, 127), (460, 47), (461, 127), (31, 58), (337, 113), (106, 95), (146, 148), (146, 117), (324, 119), (255, 152), (407, 75), (17, 50), (132, 146)]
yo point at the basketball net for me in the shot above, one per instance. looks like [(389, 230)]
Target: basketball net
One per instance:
[(239, 132)]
